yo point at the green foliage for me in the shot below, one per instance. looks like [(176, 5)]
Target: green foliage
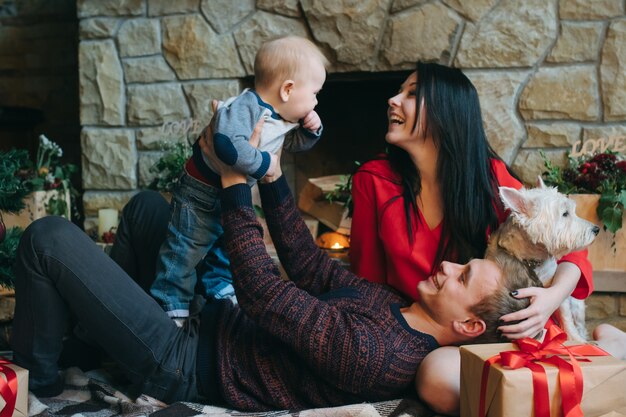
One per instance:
[(13, 187), (603, 173), (19, 176), (343, 191), (8, 249), (169, 166)]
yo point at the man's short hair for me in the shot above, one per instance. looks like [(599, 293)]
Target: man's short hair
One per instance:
[(284, 58), (515, 275)]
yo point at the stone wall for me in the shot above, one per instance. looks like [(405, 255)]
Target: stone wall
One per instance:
[(549, 72)]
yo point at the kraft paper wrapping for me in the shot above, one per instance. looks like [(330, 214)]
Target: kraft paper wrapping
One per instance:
[(21, 403), (510, 392)]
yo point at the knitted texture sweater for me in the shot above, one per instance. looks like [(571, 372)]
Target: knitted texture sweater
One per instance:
[(324, 338)]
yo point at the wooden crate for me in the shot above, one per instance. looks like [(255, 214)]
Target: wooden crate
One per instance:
[(35, 208), (607, 253)]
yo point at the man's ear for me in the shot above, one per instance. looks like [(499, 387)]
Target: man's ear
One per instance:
[(285, 90), (470, 328)]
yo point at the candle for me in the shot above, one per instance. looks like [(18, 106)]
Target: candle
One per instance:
[(107, 218)]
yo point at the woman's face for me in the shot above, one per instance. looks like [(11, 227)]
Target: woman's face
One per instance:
[(402, 114)]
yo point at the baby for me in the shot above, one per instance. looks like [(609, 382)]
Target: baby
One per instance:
[(289, 72)]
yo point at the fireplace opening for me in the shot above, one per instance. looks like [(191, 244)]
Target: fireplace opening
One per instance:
[(353, 109)]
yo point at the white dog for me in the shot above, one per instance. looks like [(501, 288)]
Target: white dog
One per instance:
[(542, 227)]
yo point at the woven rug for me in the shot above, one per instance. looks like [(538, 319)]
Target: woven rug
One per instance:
[(93, 394)]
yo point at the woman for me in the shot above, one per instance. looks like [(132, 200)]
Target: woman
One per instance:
[(435, 198), (318, 340)]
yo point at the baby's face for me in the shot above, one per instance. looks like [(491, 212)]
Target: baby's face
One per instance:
[(303, 97)]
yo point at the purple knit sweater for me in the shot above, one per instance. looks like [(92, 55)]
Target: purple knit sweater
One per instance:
[(325, 338)]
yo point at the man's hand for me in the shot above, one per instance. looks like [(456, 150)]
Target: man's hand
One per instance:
[(312, 122), (228, 174)]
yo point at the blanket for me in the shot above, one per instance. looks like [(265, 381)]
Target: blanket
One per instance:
[(93, 394)]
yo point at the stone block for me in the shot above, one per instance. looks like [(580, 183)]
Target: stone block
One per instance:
[(101, 83), (156, 103), (223, 15), (590, 9), (473, 10), (497, 92), (552, 135), (622, 305), (612, 71), (515, 33), (147, 70), (164, 7), (434, 22), (109, 159), (528, 164), (154, 138), (400, 5), (601, 306), (562, 93), (283, 7), (139, 37), (98, 27), (95, 200), (351, 29), (194, 51), (146, 161), (87, 8), (577, 42)]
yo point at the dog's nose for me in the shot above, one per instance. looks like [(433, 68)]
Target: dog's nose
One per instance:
[(595, 230)]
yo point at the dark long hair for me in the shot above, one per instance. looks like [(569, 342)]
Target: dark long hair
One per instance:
[(468, 184)]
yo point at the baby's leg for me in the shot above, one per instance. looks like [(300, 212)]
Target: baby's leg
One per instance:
[(611, 339), (438, 380)]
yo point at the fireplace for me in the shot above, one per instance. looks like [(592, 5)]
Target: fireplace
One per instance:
[(353, 109)]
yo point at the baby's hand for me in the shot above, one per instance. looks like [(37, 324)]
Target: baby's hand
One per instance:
[(312, 122), (273, 165)]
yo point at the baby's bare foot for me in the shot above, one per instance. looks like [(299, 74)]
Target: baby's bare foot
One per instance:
[(611, 339)]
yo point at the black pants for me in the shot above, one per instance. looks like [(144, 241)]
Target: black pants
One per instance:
[(62, 274)]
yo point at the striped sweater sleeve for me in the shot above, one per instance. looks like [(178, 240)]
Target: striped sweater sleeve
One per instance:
[(317, 331)]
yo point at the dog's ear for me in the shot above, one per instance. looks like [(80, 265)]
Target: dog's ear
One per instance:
[(514, 200), (540, 183)]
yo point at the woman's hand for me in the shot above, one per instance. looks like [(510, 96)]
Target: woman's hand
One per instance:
[(543, 303), (227, 173)]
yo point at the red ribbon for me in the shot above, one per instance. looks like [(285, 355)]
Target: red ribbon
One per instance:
[(532, 351), (8, 388)]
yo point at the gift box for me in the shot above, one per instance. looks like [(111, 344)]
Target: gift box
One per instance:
[(13, 390), (313, 201), (599, 385)]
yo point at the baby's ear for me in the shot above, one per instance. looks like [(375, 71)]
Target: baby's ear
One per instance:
[(285, 90), (515, 200)]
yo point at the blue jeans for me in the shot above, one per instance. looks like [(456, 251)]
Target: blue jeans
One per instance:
[(193, 248), (63, 276)]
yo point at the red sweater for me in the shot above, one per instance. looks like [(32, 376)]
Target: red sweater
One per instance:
[(379, 247)]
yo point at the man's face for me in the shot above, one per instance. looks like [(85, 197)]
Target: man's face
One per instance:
[(450, 293)]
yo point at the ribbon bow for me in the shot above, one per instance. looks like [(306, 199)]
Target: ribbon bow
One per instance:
[(8, 388), (532, 351)]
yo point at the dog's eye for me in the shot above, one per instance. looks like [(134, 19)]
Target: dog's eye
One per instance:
[(566, 214)]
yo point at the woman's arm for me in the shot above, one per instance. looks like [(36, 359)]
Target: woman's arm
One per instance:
[(544, 302), (367, 255)]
